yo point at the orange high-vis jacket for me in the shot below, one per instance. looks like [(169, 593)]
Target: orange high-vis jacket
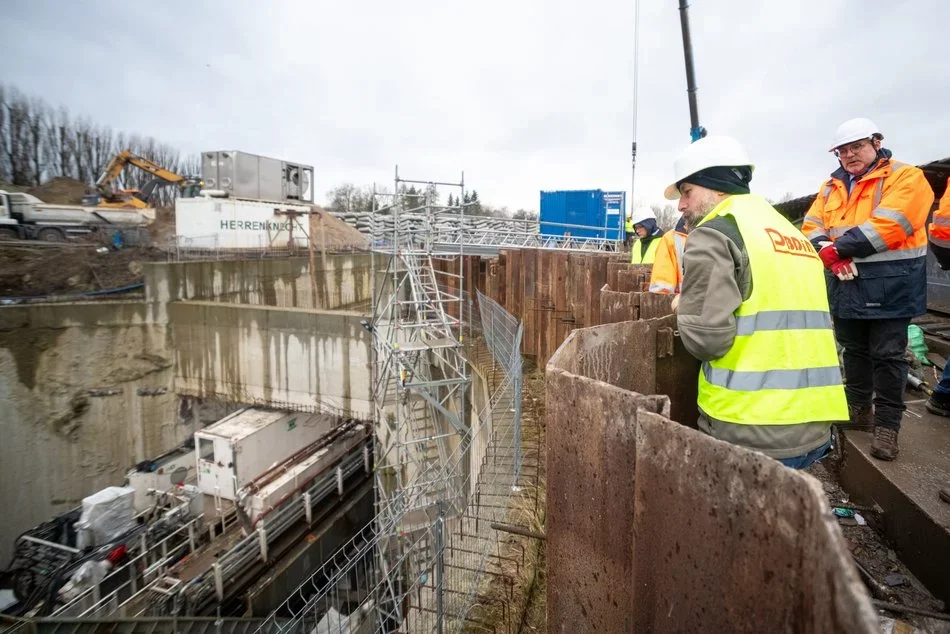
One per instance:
[(881, 226), (667, 275), (940, 230), (940, 225)]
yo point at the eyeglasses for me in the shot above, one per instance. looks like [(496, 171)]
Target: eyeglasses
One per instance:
[(851, 148)]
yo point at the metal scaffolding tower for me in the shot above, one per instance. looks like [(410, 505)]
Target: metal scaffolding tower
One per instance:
[(421, 386)]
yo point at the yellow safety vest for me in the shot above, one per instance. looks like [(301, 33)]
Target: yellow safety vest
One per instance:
[(783, 365), (629, 228), (638, 257)]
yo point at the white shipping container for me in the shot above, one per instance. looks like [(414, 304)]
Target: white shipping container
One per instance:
[(299, 475), (232, 223), (245, 444)]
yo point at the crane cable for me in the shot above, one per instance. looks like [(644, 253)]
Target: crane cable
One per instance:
[(636, 69)]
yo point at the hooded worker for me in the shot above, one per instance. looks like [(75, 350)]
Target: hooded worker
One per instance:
[(753, 309), (648, 233), (868, 224)]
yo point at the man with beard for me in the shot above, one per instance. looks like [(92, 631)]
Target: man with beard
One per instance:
[(754, 310)]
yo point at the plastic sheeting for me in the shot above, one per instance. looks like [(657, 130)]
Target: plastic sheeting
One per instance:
[(106, 515)]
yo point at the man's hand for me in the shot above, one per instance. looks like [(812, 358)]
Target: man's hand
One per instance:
[(676, 303), (843, 268)]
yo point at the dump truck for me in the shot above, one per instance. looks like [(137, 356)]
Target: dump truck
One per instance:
[(26, 217)]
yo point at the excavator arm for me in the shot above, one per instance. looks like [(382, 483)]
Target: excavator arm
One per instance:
[(134, 198)]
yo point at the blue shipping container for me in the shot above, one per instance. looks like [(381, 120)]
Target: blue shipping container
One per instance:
[(588, 213)]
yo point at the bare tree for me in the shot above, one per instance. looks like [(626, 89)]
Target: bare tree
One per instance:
[(666, 216), (36, 140), (17, 138), (60, 144)]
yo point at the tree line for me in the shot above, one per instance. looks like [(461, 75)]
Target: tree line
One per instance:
[(353, 198), (39, 142)]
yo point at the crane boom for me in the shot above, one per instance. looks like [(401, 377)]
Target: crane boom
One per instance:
[(696, 131)]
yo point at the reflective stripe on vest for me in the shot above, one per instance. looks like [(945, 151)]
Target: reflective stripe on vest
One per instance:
[(638, 257), (782, 368), (679, 244)]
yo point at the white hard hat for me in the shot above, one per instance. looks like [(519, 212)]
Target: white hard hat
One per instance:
[(640, 214), (855, 130), (711, 151)]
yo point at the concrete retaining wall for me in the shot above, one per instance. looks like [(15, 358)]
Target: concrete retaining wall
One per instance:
[(655, 527), (86, 392), (278, 356), (343, 282)]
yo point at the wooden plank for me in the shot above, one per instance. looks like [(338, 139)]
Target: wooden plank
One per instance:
[(502, 298), (577, 271), (529, 263), (595, 281), (558, 327), (545, 301), (616, 306), (655, 305), (677, 374), (612, 268), (627, 281), (516, 285)]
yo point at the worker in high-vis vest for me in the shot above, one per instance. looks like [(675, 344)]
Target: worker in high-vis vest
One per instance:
[(868, 223), (648, 233), (630, 232), (939, 401), (667, 274), (754, 310)]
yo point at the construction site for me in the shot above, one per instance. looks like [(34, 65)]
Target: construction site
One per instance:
[(228, 409), (441, 424)]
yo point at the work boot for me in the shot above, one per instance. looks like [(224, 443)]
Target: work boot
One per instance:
[(939, 404), (860, 418), (884, 446)]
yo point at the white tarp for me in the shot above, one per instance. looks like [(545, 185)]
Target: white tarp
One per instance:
[(106, 515)]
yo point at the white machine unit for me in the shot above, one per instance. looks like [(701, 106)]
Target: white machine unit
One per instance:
[(246, 175), (241, 446), (283, 485), (232, 223), (176, 467)]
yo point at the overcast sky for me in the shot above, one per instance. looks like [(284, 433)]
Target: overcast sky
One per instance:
[(522, 95)]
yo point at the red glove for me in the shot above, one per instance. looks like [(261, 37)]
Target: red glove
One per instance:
[(843, 268)]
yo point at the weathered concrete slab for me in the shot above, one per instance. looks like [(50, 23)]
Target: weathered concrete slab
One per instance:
[(915, 520), (278, 357), (728, 540), (589, 524)]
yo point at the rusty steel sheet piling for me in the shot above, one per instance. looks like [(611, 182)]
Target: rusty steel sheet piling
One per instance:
[(655, 527)]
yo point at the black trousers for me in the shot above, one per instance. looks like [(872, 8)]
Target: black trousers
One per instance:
[(874, 365)]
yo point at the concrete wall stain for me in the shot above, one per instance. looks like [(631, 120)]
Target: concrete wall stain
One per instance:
[(27, 345)]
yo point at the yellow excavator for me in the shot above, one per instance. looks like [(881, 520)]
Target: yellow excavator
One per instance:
[(107, 196)]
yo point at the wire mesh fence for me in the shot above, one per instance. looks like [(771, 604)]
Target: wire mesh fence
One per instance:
[(424, 569)]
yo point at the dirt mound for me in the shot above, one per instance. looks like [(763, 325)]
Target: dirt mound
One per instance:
[(60, 191), (338, 235), (31, 271)]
